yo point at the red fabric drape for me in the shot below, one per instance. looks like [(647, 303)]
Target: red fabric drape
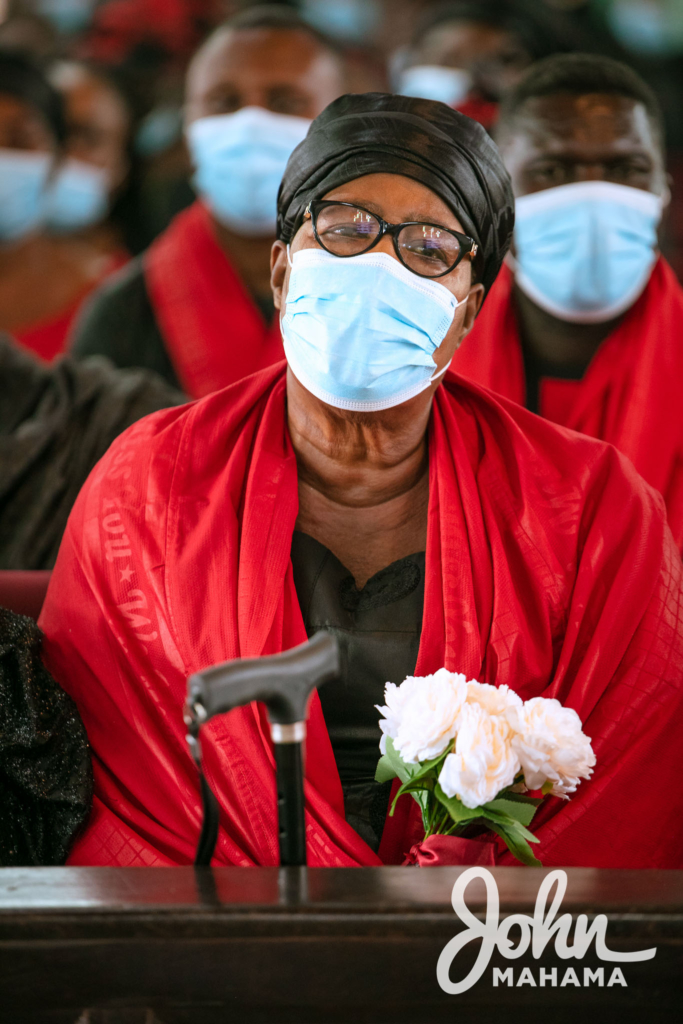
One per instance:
[(630, 393), (549, 567), (50, 338), (214, 332)]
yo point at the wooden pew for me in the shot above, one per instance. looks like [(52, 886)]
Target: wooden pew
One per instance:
[(327, 946)]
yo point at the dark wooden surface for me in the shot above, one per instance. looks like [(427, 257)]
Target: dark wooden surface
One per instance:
[(171, 946)]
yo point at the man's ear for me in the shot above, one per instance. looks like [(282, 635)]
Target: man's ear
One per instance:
[(278, 271), (472, 307)]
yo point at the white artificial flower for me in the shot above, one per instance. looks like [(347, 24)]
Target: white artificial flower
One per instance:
[(421, 715), (494, 699), (484, 761), (551, 745)]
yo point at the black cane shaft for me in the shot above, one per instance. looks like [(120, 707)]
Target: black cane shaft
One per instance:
[(290, 803)]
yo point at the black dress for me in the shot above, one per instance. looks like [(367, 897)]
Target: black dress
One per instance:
[(378, 629)]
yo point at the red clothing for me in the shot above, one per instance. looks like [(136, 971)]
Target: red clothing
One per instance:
[(549, 567), (49, 338), (213, 330), (119, 27), (630, 393)]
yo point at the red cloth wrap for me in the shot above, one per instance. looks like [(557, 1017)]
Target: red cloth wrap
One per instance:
[(50, 338), (451, 851), (630, 393), (549, 567), (214, 332)]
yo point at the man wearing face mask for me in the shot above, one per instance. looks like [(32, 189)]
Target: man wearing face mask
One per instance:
[(416, 516), (469, 53), (584, 324), (197, 306)]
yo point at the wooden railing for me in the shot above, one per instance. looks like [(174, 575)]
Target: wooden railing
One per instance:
[(349, 946)]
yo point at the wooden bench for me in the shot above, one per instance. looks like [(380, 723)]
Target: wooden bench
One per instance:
[(344, 946)]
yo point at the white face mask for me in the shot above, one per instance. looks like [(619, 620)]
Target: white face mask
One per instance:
[(433, 82), (360, 333), (239, 161), (77, 196), (584, 252), (24, 177)]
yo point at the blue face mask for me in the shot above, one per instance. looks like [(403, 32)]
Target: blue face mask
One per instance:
[(23, 178), (353, 21), (67, 16), (359, 333), (584, 252), (432, 82), (77, 197), (239, 161)]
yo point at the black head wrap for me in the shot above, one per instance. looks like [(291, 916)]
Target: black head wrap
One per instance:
[(420, 139)]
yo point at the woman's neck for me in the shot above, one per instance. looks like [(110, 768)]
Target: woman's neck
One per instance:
[(363, 479)]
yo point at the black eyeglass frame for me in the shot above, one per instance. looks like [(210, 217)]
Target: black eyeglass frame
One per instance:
[(468, 247)]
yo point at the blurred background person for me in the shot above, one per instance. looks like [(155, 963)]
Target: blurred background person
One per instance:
[(197, 306), (469, 53), (96, 160), (584, 324), (43, 279), (56, 422)]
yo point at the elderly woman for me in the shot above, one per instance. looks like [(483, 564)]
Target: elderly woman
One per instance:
[(422, 520)]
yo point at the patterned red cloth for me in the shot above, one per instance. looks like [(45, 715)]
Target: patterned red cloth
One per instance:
[(630, 393), (213, 330), (549, 567)]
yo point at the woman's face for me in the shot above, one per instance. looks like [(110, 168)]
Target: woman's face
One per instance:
[(97, 122), (23, 127), (396, 199)]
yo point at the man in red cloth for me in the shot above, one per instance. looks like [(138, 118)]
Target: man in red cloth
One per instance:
[(424, 523), (584, 324), (197, 306)]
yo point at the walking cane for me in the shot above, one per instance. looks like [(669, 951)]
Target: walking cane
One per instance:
[(283, 682)]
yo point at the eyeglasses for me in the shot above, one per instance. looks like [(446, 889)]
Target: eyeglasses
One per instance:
[(428, 250)]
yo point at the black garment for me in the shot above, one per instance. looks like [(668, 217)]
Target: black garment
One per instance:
[(378, 629), (45, 769), (536, 370), (118, 322), (376, 133), (56, 422)]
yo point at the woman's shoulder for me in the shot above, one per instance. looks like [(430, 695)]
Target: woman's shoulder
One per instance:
[(184, 443), (535, 461), (504, 424)]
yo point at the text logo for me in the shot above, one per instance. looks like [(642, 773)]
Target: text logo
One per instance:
[(534, 932)]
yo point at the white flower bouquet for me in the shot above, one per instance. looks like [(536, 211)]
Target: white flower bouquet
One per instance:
[(469, 753)]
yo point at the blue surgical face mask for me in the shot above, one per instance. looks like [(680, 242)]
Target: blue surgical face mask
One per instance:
[(432, 82), (67, 16), (23, 179), (77, 197), (584, 252), (239, 161), (360, 332), (353, 21)]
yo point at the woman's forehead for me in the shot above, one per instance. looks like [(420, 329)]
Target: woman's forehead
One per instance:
[(396, 197)]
